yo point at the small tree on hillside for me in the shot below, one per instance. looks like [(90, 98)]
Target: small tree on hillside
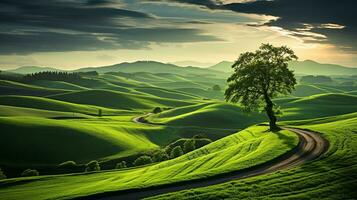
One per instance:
[(260, 76), (100, 113), (176, 152), (160, 155)]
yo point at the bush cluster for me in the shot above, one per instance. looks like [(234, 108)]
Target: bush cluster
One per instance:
[(30, 172), (92, 166), (142, 160), (120, 165)]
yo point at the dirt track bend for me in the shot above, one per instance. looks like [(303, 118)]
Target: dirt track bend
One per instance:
[(310, 147)]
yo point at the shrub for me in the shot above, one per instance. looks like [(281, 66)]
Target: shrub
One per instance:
[(176, 152), (68, 164), (2, 175), (120, 165), (92, 166), (30, 172), (160, 156), (143, 160), (157, 110), (172, 145), (189, 145), (202, 142)]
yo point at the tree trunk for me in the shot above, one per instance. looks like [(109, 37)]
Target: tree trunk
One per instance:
[(270, 112)]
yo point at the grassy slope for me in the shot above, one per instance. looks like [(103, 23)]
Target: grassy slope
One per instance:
[(84, 140), (215, 115), (244, 149), (315, 106), (170, 94), (54, 105), (333, 176), (12, 87), (303, 90), (204, 93), (102, 83), (223, 115), (117, 100), (10, 111), (58, 85)]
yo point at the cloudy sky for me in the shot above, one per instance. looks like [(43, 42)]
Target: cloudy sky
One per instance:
[(76, 33)]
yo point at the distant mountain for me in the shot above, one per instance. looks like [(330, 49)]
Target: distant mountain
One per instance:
[(152, 67), (192, 63), (307, 67), (32, 69), (224, 66), (314, 68)]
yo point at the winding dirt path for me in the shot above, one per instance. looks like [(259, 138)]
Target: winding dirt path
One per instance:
[(310, 147)]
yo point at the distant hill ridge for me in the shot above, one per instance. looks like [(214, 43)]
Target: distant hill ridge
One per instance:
[(307, 67)]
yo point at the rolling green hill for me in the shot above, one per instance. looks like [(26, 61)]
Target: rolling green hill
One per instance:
[(241, 150), (54, 105), (321, 105), (333, 176), (214, 115), (164, 93), (59, 85), (45, 139), (204, 93), (117, 100), (8, 111), (303, 90), (16, 88)]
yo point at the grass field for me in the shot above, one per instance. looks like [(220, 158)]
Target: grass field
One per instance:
[(45, 123), (241, 150), (333, 176)]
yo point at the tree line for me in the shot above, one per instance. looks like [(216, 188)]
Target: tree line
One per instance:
[(52, 76)]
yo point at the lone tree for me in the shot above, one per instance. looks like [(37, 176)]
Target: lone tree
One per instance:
[(260, 76)]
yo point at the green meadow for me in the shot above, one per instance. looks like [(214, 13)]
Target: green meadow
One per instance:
[(122, 114)]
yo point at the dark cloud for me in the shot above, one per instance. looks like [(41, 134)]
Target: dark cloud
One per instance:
[(294, 15), (86, 25), (298, 15)]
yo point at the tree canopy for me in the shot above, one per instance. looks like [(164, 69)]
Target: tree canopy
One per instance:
[(260, 76)]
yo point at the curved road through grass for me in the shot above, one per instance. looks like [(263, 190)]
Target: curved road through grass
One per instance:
[(311, 146)]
